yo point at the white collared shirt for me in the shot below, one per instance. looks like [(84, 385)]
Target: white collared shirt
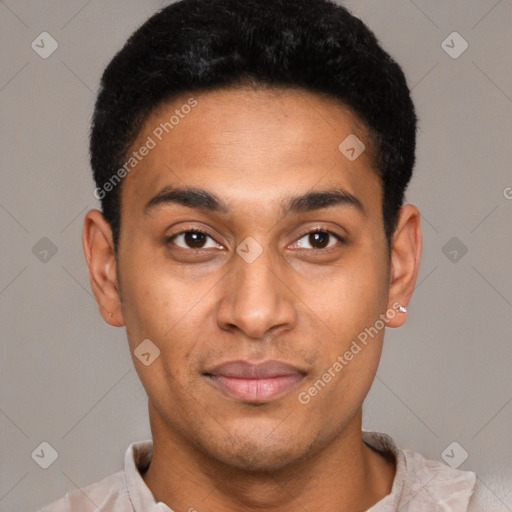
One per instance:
[(420, 485)]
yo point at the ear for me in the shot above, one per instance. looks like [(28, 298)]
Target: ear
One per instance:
[(101, 261), (405, 258)]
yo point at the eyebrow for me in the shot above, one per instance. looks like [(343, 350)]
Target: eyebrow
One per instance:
[(203, 200)]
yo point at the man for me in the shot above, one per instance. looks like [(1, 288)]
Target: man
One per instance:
[(251, 157)]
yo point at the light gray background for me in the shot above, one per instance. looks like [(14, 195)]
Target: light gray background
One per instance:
[(67, 378)]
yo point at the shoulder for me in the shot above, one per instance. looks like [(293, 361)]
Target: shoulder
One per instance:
[(493, 495), (421, 484), (107, 494), (431, 482)]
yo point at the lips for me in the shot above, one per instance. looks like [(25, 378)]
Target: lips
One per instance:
[(255, 383)]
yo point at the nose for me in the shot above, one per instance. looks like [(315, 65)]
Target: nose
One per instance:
[(257, 299)]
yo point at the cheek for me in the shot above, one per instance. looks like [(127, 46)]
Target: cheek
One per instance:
[(172, 314), (350, 308), (155, 302), (354, 297)]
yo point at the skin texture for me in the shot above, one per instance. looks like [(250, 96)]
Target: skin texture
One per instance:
[(297, 302)]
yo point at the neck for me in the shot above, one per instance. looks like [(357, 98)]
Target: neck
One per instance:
[(345, 475)]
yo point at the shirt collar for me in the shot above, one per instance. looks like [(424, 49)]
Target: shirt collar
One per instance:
[(136, 461)]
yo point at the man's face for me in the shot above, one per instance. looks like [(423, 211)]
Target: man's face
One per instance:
[(215, 306)]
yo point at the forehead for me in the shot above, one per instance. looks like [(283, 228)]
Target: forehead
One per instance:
[(243, 143)]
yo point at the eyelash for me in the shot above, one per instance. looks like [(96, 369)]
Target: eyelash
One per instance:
[(311, 232)]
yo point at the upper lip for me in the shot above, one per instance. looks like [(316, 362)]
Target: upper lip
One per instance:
[(263, 370)]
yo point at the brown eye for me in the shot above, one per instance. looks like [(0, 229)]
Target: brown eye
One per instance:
[(193, 239), (318, 240)]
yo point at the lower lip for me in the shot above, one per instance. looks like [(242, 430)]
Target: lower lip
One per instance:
[(256, 390)]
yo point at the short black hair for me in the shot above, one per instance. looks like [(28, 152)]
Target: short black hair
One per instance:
[(201, 45)]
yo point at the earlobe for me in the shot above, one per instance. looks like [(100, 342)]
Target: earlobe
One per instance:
[(101, 262), (405, 258)]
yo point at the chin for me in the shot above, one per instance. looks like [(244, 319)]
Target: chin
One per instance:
[(262, 453), (253, 458)]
